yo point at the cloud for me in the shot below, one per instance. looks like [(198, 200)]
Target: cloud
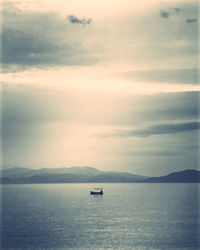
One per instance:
[(177, 10), (158, 130), (45, 39), (25, 107), (74, 19), (176, 76), (164, 14), (173, 42), (34, 39), (191, 20)]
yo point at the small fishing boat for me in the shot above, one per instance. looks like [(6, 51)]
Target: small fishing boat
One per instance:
[(96, 191)]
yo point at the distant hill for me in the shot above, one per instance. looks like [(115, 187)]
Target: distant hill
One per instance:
[(64, 175), (88, 174), (185, 176), (17, 172)]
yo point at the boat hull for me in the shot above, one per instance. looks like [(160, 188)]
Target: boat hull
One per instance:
[(96, 193)]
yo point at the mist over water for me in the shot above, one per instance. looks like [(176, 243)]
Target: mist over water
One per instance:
[(129, 216)]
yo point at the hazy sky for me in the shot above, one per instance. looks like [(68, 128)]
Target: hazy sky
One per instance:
[(107, 84)]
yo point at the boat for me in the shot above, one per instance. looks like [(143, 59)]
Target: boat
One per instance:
[(95, 191)]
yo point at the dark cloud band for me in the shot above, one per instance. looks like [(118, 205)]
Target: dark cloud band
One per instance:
[(159, 130)]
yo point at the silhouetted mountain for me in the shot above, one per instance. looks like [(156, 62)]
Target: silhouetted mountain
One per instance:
[(119, 177), (185, 176), (25, 172), (73, 174), (88, 174), (17, 172)]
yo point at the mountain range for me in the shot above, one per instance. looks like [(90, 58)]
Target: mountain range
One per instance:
[(19, 175)]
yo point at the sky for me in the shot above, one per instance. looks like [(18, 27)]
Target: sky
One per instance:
[(106, 84)]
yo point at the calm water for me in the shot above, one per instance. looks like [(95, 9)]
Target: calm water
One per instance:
[(128, 216)]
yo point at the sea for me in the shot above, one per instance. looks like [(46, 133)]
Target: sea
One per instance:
[(127, 216)]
